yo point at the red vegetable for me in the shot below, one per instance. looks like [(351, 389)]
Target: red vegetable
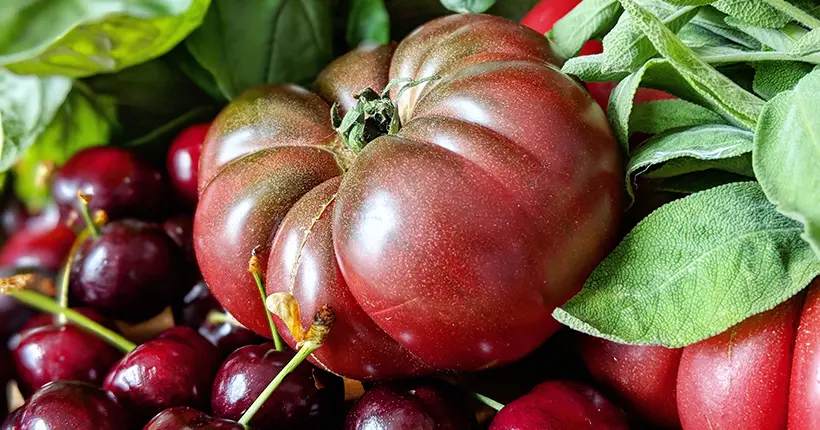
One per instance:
[(760, 374), (443, 247)]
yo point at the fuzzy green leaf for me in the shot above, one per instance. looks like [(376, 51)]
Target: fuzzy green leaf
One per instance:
[(663, 115), (715, 21), (787, 155), (774, 77), (694, 268), (696, 182), (809, 43), (588, 69), (754, 12), (468, 6), (777, 39), (740, 165), (588, 20)]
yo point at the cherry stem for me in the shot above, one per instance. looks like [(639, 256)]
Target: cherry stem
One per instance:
[(489, 402), (323, 322), (254, 268), (85, 199), (44, 303), (63, 285)]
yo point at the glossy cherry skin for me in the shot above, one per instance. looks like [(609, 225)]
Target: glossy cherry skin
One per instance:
[(13, 216), (10, 421), (425, 405), (174, 369), (228, 337), (308, 397), (185, 418), (13, 314), (192, 310), (71, 405), (131, 272), (41, 243), (558, 405), (5, 377), (183, 160), (180, 228), (644, 376), (119, 182), (45, 351)]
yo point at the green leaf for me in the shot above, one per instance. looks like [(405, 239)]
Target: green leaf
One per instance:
[(663, 115), (696, 36), (78, 39), (367, 21), (722, 93), (27, 106), (182, 59), (588, 69), (690, 147), (730, 55), (626, 48), (468, 6), (694, 268), (588, 20), (690, 2), (778, 39), (809, 43), (774, 77), (290, 41), (82, 121), (695, 182), (740, 165), (715, 21), (787, 155), (754, 12)]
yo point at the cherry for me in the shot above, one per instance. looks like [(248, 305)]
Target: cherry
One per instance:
[(427, 405), (5, 377), (42, 242), (131, 272), (180, 228), (46, 351), (185, 418), (307, 398), (174, 369), (11, 420), (228, 336), (122, 184), (13, 216), (558, 405), (195, 306), (183, 160), (13, 314), (71, 404)]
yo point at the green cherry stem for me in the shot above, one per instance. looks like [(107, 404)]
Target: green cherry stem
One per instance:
[(15, 287), (489, 402), (85, 199), (65, 274), (322, 323), (255, 269)]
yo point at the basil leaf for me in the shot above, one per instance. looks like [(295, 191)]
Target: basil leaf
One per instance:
[(787, 155), (83, 120), (588, 20), (774, 77), (809, 43), (704, 142), (96, 36), (468, 6), (715, 21), (588, 69), (722, 93), (695, 182), (626, 48), (292, 41), (694, 268), (27, 106), (754, 12), (367, 21), (663, 115)]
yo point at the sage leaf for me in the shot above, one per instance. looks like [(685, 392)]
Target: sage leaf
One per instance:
[(787, 155), (774, 77), (626, 47), (740, 165), (468, 6), (694, 268), (659, 116), (778, 39), (722, 93), (695, 182), (367, 21), (754, 12), (83, 38), (588, 20), (695, 36), (588, 69), (715, 21), (27, 106), (690, 2), (809, 43), (689, 146), (292, 41)]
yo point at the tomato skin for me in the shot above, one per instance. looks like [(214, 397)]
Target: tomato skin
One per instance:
[(448, 244), (645, 376), (804, 400)]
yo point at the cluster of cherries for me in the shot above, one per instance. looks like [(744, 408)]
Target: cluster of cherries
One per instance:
[(113, 255)]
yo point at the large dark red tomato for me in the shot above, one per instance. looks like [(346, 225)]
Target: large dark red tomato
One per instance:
[(760, 374), (443, 247)]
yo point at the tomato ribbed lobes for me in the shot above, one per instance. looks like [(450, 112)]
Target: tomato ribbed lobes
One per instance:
[(443, 247), (760, 374)]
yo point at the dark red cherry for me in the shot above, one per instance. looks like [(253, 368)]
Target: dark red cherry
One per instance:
[(195, 306), (180, 228), (131, 272), (10, 421), (559, 405), (13, 314), (42, 243), (5, 377), (183, 160), (426, 405), (308, 398), (71, 405), (46, 351), (174, 369), (228, 336), (185, 418), (120, 183), (13, 216)]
